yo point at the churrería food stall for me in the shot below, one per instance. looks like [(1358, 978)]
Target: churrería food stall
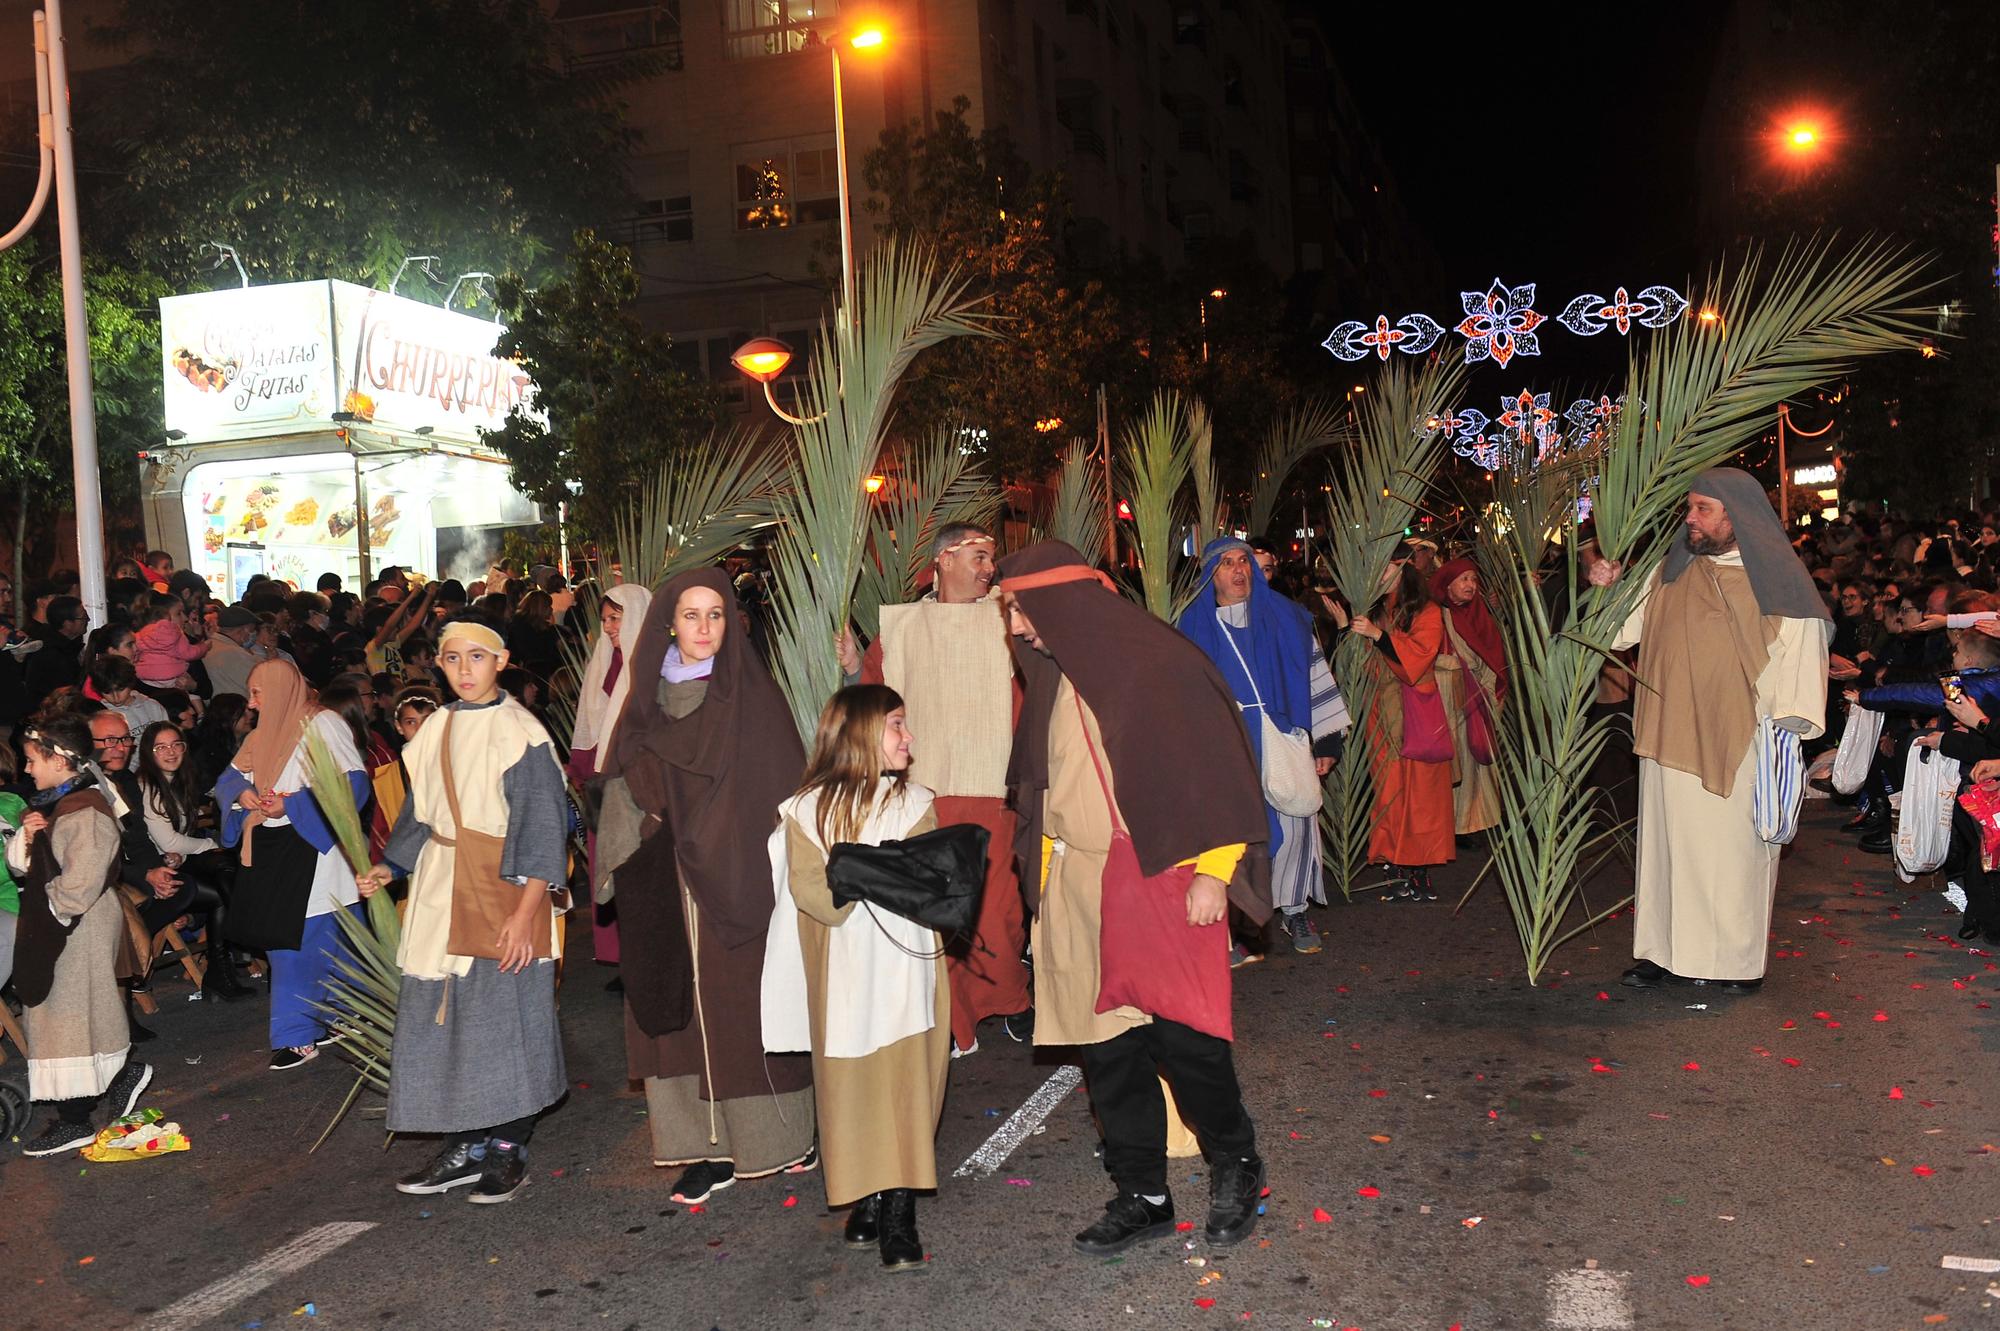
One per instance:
[(317, 427)]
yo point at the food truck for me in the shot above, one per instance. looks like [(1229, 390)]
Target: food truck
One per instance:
[(316, 427)]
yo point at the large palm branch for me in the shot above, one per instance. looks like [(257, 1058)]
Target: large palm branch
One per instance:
[(858, 359), (1697, 393), (1077, 515), (1157, 459), (1209, 510), (937, 485), (1293, 437), (1382, 483)]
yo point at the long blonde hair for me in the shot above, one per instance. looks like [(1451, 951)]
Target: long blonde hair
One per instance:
[(846, 764)]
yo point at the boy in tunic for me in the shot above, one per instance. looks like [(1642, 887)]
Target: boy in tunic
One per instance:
[(478, 1054)]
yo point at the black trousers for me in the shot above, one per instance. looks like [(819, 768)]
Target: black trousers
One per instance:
[(1124, 1077), (516, 1131)]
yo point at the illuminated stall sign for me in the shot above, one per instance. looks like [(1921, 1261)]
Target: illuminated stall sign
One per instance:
[(260, 362)]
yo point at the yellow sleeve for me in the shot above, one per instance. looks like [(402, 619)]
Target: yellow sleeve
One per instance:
[(1220, 862)]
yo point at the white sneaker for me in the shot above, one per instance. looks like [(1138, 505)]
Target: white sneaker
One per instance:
[(284, 1060), (956, 1052)]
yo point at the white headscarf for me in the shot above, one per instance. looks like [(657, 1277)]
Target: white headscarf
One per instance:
[(596, 711)]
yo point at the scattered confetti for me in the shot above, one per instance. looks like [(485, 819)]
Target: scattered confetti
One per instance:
[(1895, 1092), (1698, 1281), (1603, 997), (1320, 1216), (1881, 1016), (1183, 1226), (1472, 1221), (1922, 1171), (85, 1261), (1690, 1067), (1380, 1139), (1204, 1303), (1370, 1191), (1377, 1094), (790, 1202), (1020, 1183)]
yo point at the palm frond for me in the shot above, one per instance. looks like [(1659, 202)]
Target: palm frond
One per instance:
[(1208, 510), (936, 485), (1155, 462), (1696, 394), (703, 503), (1078, 515), (1383, 478), (1293, 437), (361, 996), (858, 359)]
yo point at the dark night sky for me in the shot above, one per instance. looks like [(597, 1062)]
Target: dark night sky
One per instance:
[(1532, 143)]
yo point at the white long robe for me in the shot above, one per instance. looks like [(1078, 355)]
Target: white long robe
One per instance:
[(1706, 882)]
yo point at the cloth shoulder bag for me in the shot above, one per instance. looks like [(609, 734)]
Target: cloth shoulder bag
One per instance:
[(1290, 777), (481, 900), (1149, 956), (1426, 728), (1923, 822), (1856, 754), (1781, 783)]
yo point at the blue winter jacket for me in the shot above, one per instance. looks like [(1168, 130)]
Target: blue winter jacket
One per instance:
[(1926, 696)]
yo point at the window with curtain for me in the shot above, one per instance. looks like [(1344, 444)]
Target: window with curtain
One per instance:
[(755, 28)]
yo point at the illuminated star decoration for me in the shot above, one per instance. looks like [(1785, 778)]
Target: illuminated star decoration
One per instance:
[(1653, 307), (1413, 334), (1500, 323), (1527, 416)]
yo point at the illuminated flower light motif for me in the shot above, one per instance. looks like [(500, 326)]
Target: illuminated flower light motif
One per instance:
[(1594, 417), (1413, 334), (1500, 323), (1528, 416), (1653, 307), (1470, 439)]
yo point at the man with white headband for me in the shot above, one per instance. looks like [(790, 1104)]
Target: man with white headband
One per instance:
[(483, 839), (947, 655)]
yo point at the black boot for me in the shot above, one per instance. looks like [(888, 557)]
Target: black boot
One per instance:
[(1647, 975), (220, 979), (902, 1250), (864, 1222), (1880, 841)]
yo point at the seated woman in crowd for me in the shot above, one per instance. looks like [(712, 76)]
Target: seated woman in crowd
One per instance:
[(174, 808)]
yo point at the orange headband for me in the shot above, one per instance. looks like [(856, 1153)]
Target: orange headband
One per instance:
[(1055, 577)]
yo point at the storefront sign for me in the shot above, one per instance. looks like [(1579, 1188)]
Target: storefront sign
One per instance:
[(257, 362), (1820, 475)]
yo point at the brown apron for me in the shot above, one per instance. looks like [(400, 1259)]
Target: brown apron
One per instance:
[(481, 900)]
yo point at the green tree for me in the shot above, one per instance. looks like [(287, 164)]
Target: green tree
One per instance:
[(35, 465), (336, 139), (973, 198), (611, 406)]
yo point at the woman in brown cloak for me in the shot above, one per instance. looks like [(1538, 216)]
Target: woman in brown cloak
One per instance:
[(705, 752)]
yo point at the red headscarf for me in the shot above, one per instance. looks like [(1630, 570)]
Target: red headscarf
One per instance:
[(1473, 622)]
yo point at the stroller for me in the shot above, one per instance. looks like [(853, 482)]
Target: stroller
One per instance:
[(13, 1095)]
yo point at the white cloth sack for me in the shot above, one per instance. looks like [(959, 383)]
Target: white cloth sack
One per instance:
[(1291, 777), (1923, 823), (1857, 749), (1781, 783)]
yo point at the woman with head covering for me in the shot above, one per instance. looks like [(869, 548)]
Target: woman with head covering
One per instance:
[(1411, 749), (703, 756), (600, 701), (1263, 645), (294, 876), (1472, 679), (484, 841)]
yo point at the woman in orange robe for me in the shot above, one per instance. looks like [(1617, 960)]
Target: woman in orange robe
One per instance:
[(1412, 821)]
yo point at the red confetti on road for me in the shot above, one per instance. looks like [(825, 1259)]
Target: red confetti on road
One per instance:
[(1895, 1092), (1690, 1067), (1922, 1171), (1698, 1281), (1370, 1191), (1320, 1216)]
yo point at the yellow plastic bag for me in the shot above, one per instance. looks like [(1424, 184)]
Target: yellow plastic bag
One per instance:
[(136, 1137)]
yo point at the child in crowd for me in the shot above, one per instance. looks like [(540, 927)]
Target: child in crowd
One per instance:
[(875, 987), (164, 652)]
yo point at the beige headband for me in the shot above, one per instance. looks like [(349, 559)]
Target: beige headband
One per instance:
[(978, 539), (465, 630)]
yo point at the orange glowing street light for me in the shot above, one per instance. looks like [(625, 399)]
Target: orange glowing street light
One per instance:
[(1802, 138), (762, 358), (867, 39), (860, 36)]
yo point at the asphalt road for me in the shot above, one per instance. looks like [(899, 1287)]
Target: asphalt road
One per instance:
[(1448, 1147)]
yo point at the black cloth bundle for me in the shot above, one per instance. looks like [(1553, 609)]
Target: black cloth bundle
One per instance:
[(934, 879)]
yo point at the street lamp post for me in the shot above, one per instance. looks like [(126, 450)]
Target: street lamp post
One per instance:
[(868, 37), (1215, 294)]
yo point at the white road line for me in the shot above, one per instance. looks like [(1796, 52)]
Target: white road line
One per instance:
[(1589, 1301), (1019, 1125), (207, 1304)]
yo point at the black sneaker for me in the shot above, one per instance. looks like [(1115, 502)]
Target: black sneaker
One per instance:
[(58, 1137), (1020, 1027), (1127, 1219), (455, 1166), (1233, 1196), (506, 1173), (703, 1181), (131, 1082)]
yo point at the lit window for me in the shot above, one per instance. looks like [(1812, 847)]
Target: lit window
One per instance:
[(774, 27), (784, 182)]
